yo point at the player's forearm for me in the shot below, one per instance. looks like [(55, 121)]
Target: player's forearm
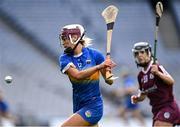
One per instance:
[(75, 73), (137, 98), (87, 72), (166, 78)]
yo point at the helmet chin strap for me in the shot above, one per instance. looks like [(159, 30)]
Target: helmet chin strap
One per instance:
[(69, 50), (75, 41)]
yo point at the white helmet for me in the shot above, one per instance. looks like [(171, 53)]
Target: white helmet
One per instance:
[(68, 30), (141, 46)]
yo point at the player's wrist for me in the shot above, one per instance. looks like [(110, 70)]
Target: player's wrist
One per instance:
[(158, 73), (98, 67)]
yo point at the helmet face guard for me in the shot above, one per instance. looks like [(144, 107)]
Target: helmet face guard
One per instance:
[(69, 30), (67, 33), (141, 47)]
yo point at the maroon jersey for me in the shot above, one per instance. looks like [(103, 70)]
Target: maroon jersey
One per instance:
[(159, 93)]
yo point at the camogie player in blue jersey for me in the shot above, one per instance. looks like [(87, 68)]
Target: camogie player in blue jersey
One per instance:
[(83, 66)]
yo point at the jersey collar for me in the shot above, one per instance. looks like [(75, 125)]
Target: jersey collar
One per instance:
[(78, 55), (149, 66)]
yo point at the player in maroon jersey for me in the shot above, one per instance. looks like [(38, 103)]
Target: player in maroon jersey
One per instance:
[(156, 84)]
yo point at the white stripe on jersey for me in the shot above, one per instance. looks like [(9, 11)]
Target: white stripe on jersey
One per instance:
[(149, 66), (67, 67), (164, 71)]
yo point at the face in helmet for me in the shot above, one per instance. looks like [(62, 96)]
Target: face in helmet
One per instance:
[(142, 53), (70, 36)]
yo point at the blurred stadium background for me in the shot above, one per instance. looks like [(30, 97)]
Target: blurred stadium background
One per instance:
[(29, 50)]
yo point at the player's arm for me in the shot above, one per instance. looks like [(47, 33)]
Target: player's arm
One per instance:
[(138, 98), (75, 73), (109, 69), (99, 58), (164, 75)]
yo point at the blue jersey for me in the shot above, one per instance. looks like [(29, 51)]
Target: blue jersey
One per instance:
[(87, 89)]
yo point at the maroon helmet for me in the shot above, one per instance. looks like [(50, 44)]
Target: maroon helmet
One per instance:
[(69, 30)]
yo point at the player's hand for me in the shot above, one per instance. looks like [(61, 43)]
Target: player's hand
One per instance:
[(113, 64), (109, 81), (108, 64), (134, 99), (154, 69)]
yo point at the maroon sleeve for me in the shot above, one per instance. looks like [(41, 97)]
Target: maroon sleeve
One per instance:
[(163, 70), (139, 81)]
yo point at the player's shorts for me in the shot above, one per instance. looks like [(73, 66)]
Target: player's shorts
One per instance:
[(92, 112), (169, 113)]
